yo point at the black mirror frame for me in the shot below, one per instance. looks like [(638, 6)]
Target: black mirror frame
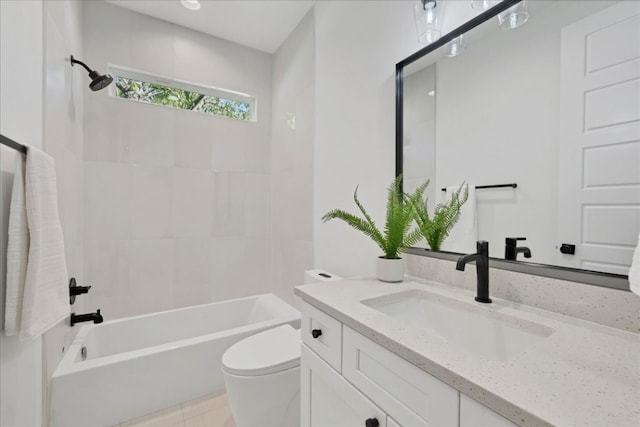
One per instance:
[(608, 280)]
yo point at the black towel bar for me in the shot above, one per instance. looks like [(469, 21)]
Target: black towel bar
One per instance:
[(12, 144), (478, 187)]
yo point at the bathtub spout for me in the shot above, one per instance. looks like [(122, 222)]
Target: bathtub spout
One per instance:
[(90, 317)]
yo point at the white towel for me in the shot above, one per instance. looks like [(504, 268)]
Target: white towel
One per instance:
[(46, 293), (634, 271), (17, 252), (464, 234)]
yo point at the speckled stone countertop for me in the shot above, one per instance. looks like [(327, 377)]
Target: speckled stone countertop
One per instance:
[(582, 374)]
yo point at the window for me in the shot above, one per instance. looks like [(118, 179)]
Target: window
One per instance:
[(153, 89)]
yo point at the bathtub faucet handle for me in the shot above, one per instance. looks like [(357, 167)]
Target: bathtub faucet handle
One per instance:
[(75, 290)]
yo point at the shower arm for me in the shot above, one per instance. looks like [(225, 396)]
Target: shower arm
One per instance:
[(75, 61)]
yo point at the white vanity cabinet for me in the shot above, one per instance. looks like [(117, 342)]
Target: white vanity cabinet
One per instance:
[(352, 381)]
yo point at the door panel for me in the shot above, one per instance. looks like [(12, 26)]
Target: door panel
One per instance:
[(599, 150)]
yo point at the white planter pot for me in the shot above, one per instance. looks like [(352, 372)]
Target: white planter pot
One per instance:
[(390, 270)]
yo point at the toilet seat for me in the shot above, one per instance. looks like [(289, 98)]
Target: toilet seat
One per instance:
[(267, 352)]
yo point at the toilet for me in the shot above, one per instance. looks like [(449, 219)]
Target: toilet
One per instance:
[(262, 377), (262, 373)]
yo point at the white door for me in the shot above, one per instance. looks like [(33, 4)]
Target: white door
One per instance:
[(599, 146), (328, 400)]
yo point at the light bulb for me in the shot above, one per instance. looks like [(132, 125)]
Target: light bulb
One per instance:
[(191, 4)]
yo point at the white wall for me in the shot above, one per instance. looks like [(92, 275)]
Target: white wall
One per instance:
[(41, 107), (357, 47), (176, 203), (292, 156), (21, 119)]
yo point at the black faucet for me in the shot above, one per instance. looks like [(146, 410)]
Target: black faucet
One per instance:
[(95, 317), (482, 269), (511, 249)]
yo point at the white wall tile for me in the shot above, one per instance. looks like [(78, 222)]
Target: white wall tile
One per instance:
[(192, 295), (151, 275), (151, 133), (105, 136), (107, 265), (290, 258), (292, 186), (193, 140), (229, 190), (107, 201), (192, 260), (192, 206), (228, 144), (257, 271), (257, 145), (228, 267), (151, 201), (257, 195)]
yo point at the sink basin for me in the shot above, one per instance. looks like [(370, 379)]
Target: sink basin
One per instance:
[(467, 327)]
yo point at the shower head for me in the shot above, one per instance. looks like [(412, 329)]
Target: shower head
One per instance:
[(98, 81)]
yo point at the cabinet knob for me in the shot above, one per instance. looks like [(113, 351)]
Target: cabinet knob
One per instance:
[(316, 333), (372, 422)]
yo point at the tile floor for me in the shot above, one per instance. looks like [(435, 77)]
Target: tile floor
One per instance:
[(207, 411)]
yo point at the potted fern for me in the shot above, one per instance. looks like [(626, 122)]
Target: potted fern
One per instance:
[(394, 237), (436, 228)]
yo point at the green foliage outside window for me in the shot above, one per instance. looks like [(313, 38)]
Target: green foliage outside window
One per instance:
[(179, 98)]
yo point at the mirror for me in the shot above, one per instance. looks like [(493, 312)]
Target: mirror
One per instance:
[(553, 107)]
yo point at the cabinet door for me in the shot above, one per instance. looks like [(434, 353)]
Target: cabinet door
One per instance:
[(473, 414), (328, 400)]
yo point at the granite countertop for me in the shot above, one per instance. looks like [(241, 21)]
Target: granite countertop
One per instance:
[(582, 374)]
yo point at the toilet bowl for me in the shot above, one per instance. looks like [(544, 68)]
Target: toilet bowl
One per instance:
[(262, 373), (262, 378)]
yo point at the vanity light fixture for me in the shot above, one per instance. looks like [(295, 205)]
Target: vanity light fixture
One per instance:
[(191, 4), (514, 17), (482, 4), (456, 46), (428, 16)]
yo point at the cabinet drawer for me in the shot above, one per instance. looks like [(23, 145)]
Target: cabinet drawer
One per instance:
[(408, 394), (323, 334)]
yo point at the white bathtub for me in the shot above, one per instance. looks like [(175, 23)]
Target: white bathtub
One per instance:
[(141, 364)]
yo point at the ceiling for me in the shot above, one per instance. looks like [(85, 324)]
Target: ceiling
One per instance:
[(259, 24)]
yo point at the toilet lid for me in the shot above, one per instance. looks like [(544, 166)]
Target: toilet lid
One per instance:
[(264, 353)]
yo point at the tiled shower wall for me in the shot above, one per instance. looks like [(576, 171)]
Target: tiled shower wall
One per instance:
[(292, 157), (176, 203)]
